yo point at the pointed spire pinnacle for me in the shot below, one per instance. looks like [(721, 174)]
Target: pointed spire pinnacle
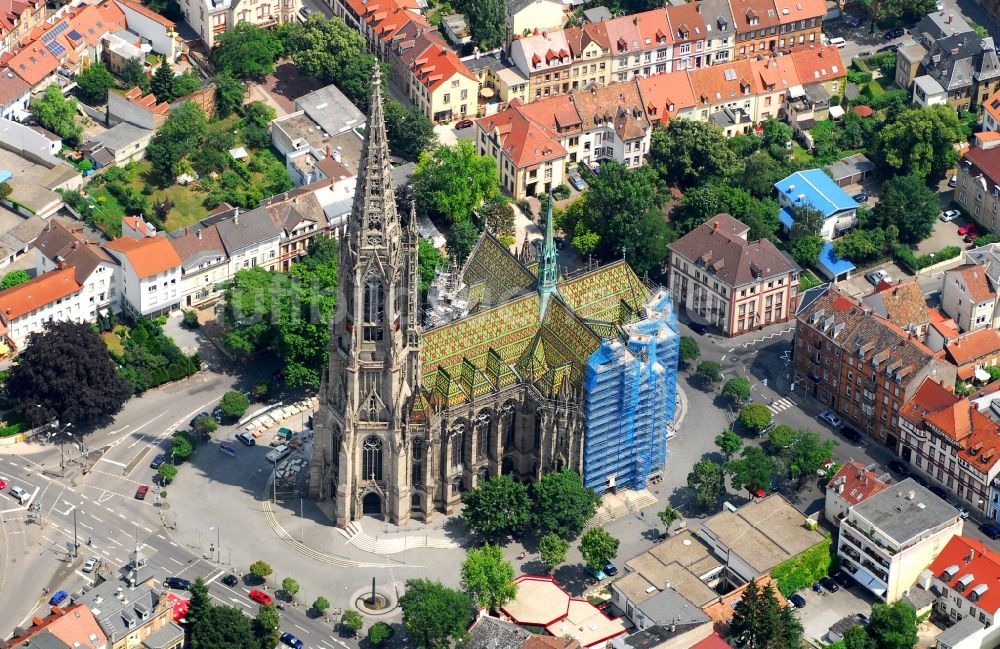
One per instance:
[(548, 269), (373, 217)]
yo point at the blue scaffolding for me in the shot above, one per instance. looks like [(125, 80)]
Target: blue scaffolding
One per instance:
[(630, 395)]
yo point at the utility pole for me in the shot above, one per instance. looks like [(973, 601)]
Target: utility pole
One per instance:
[(75, 544), (302, 520)]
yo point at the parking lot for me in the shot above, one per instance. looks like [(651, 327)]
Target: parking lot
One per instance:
[(823, 608)]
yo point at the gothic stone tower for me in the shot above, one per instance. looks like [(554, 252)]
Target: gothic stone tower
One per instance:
[(359, 461)]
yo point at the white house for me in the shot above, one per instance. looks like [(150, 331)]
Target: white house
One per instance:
[(250, 239), (69, 246), (150, 274), (964, 578), (26, 308)]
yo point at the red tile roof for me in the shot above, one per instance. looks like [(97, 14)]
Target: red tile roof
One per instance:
[(665, 95), (724, 82), (930, 397), (148, 256), (148, 13), (971, 557), (73, 625), (437, 64), (977, 285), (48, 287), (746, 10), (973, 346), (149, 102), (523, 139), (686, 18), (775, 74), (790, 11), (987, 163), (713, 641), (855, 482), (818, 64), (945, 326), (992, 105)]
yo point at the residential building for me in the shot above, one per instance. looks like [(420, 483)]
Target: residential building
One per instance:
[(851, 170), (978, 189), (133, 616), (204, 263), (591, 51), (821, 73), (860, 365), (887, 540), (800, 23), (74, 245), (250, 238), (991, 112), (72, 626), (209, 18), (908, 60), (852, 484), (17, 19), (968, 296), (726, 95), (117, 146), (18, 232), (902, 304), (726, 280), (720, 36), (776, 79), (300, 218), (150, 276), (377, 20), (973, 352), (688, 32), (499, 78), (26, 308), (15, 95), (135, 108), (814, 189), (963, 576), (157, 33), (456, 29), (523, 16), (757, 24), (36, 174), (612, 123), (666, 619), (667, 96), (545, 59)]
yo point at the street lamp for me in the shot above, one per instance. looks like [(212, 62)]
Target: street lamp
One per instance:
[(62, 450), (218, 542)]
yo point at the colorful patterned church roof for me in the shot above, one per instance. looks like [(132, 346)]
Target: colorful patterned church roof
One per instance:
[(504, 340)]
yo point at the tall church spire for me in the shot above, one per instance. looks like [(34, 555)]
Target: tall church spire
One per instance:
[(373, 217), (548, 270)]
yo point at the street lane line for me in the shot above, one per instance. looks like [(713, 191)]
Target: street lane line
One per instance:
[(175, 561), (215, 576), (97, 519), (239, 601), (86, 527), (149, 531), (116, 542), (173, 544), (303, 629), (115, 462)]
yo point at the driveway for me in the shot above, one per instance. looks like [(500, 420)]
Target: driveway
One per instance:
[(824, 608)]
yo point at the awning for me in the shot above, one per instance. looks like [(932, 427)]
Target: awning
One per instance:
[(796, 91), (869, 581), (982, 375), (836, 112)]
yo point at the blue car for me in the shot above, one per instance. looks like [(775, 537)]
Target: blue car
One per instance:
[(798, 601), (291, 641), (58, 598)]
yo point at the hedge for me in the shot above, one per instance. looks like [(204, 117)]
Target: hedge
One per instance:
[(906, 257), (805, 569)]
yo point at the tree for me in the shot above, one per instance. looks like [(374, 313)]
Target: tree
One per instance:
[(598, 548), (781, 438), (552, 549), (755, 416), (759, 622), (462, 239), (562, 503), (180, 135), (689, 351), (861, 245), (429, 260), (260, 569), (330, 50), (57, 114), (13, 278), (133, 73), (737, 389), (909, 204), (199, 603), (920, 142), (267, 626), (190, 319), (729, 443), (167, 473), (753, 470), (181, 447), (290, 586), (488, 578), (808, 454), (185, 84), (689, 153), (487, 21), (229, 93), (496, 215), (806, 242), (668, 516), (893, 626), (94, 82), (699, 204), (708, 481), (759, 173), (452, 181), (65, 374), (162, 84), (234, 404), (379, 633), (709, 371), (321, 604), (410, 132), (205, 425), (435, 616), (497, 506), (775, 131), (856, 638), (223, 627), (246, 51), (6, 190)]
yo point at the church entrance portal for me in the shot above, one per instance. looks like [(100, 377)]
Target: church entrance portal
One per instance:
[(371, 505)]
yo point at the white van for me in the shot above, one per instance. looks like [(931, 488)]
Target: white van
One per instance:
[(279, 453), (838, 42)]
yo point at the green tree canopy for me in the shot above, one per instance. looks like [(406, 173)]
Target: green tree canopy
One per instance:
[(352, 621), (379, 633), (760, 622), (290, 586), (13, 278), (234, 404), (410, 132), (462, 239), (133, 74), (668, 515), (434, 615), (184, 84), (497, 506), (909, 204), (737, 389), (267, 626), (700, 204), (198, 605), (260, 569), (487, 21), (330, 50), (861, 245), (808, 454), (229, 92), (562, 503), (488, 578), (710, 371), (729, 443), (246, 51), (689, 350), (180, 134), (162, 84), (755, 416), (57, 114), (689, 153), (921, 142), (708, 481), (753, 470), (452, 181), (552, 549), (94, 82), (598, 548), (223, 627), (429, 259), (893, 626)]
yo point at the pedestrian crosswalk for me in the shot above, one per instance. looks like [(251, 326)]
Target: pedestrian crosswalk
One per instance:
[(778, 405)]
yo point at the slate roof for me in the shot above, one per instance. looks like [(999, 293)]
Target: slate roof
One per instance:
[(11, 86), (112, 613), (196, 246), (494, 633), (718, 246), (902, 519), (960, 60), (292, 208), (985, 163), (246, 229), (71, 244)]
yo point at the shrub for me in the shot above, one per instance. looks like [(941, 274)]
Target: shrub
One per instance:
[(835, 100), (379, 633), (191, 319), (260, 569), (985, 239), (859, 78), (525, 208), (322, 603), (234, 404), (906, 257), (560, 192), (350, 621), (803, 570), (167, 473)]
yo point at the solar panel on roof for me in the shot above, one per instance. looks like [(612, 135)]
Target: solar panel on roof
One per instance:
[(55, 31), (55, 48), (75, 35)]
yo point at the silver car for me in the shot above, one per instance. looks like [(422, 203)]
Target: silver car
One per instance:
[(91, 564), (830, 418)]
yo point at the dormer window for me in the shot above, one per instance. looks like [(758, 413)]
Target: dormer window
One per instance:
[(963, 582)]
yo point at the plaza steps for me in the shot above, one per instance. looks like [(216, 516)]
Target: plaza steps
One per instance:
[(394, 544), (621, 504)]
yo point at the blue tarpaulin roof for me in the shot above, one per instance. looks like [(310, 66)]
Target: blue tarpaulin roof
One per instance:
[(5, 175), (786, 218), (817, 190), (832, 265)]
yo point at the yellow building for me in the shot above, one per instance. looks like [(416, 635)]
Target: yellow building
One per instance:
[(524, 16), (437, 81)]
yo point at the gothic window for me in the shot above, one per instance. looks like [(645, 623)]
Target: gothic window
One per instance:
[(458, 446), (374, 311), (482, 435), (371, 458), (510, 425), (538, 428), (372, 408), (417, 471)]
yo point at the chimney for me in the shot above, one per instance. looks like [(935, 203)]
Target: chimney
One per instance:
[(76, 245), (972, 555), (911, 495), (715, 225), (199, 234), (236, 217), (328, 150), (62, 265), (187, 231), (950, 18)]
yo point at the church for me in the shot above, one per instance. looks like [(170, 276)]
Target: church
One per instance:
[(513, 369)]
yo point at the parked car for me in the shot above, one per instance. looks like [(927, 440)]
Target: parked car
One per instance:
[(953, 181), (830, 418), (91, 564), (991, 530), (938, 491), (597, 574), (230, 580), (578, 183), (177, 583), (463, 123), (157, 461), (968, 228), (860, 198), (860, 55), (140, 493), (855, 22), (3, 483), (194, 420), (19, 494), (829, 584), (862, 619), (843, 578), (246, 438), (969, 238), (610, 570), (58, 598), (963, 513), (885, 48), (878, 275), (798, 601), (893, 34), (851, 435), (899, 467), (305, 11), (949, 215), (698, 328), (259, 596), (291, 641)]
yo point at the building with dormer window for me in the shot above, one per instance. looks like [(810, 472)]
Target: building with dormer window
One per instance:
[(965, 578)]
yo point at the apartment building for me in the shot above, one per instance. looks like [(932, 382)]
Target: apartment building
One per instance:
[(71, 626), (903, 304), (210, 18), (978, 189), (963, 577), (17, 19), (204, 263), (968, 296), (26, 308), (150, 276), (852, 484), (133, 616), (689, 34), (888, 539), (860, 365), (725, 280), (765, 26), (78, 247), (991, 112)]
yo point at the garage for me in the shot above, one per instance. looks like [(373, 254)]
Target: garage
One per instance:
[(852, 170)]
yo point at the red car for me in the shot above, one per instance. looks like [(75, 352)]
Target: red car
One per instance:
[(463, 123), (760, 493), (259, 596), (3, 483), (140, 493), (968, 229)]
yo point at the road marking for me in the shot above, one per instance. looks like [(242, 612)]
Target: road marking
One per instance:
[(303, 629), (239, 601), (175, 561), (134, 524), (161, 537), (781, 404), (97, 519), (723, 357), (115, 462), (86, 527), (149, 531), (215, 576), (121, 516), (82, 574), (172, 543), (116, 542)]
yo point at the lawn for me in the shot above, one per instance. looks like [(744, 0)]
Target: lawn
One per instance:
[(113, 339), (187, 200), (807, 280), (800, 155), (106, 209)]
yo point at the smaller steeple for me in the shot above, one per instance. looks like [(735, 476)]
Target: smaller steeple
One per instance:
[(548, 269)]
